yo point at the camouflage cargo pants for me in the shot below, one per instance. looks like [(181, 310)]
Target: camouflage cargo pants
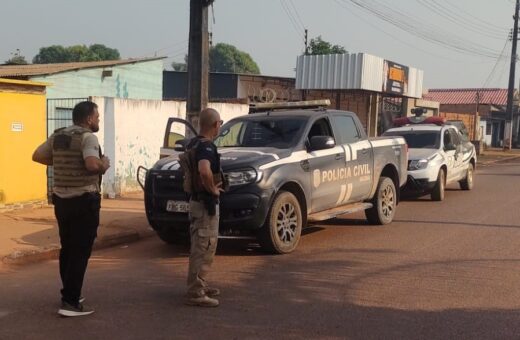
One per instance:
[(204, 236)]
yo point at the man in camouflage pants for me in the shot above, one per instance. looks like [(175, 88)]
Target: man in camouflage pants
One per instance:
[(204, 210)]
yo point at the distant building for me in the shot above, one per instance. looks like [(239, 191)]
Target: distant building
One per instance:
[(127, 78), (233, 87), (376, 89), (489, 103)]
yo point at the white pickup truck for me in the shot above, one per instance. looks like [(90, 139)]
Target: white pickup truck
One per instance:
[(439, 156)]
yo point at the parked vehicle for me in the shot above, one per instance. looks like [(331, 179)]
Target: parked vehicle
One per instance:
[(285, 169), (439, 155)]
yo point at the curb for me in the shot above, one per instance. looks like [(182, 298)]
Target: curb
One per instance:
[(504, 159), (24, 257)]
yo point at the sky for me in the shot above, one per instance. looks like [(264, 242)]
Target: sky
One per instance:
[(458, 43)]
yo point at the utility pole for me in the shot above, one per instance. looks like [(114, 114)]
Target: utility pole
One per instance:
[(306, 42), (476, 125), (508, 133), (198, 62)]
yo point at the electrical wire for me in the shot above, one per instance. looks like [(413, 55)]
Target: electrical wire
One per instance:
[(394, 37), (493, 70), (453, 17), (420, 29), (299, 31)]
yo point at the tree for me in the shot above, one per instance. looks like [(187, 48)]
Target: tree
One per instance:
[(320, 46), (227, 58), (16, 59), (59, 54), (102, 52), (182, 67), (51, 54)]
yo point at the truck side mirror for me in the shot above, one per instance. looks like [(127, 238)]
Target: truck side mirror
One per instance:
[(180, 145), (322, 143)]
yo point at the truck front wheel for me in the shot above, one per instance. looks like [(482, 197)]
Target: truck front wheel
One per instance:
[(384, 203), (282, 230)]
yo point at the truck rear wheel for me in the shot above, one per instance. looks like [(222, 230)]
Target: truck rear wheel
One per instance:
[(467, 183), (384, 203), (282, 230)]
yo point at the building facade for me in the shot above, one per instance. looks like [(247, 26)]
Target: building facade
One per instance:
[(128, 78), (22, 129)]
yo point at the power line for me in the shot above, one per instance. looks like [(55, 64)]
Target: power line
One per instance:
[(297, 14), (453, 17), (478, 20), (501, 57), (293, 21), (346, 6), (421, 30)]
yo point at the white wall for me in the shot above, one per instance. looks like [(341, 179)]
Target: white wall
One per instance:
[(485, 138), (132, 133)]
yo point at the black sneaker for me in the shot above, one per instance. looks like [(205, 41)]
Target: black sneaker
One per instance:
[(81, 299), (69, 310)]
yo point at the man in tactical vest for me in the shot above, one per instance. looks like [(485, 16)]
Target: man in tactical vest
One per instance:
[(207, 182), (75, 154)]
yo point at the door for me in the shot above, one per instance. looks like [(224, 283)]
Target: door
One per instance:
[(459, 169), (326, 168), (449, 150), (175, 135), (358, 160)]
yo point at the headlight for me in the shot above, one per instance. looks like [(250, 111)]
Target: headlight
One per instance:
[(241, 177), (418, 164)]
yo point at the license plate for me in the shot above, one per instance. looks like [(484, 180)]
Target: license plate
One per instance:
[(178, 206)]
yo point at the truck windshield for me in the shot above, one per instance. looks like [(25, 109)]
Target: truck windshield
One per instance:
[(271, 132), (419, 139)]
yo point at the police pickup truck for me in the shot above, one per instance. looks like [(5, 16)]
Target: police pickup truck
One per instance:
[(285, 169)]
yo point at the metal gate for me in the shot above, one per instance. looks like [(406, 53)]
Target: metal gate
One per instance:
[(59, 114)]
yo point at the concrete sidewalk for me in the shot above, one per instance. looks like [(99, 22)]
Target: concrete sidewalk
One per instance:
[(491, 156), (31, 235)]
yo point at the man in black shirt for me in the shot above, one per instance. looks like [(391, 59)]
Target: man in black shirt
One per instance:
[(204, 210)]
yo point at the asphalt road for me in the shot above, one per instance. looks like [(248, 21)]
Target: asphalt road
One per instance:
[(440, 271)]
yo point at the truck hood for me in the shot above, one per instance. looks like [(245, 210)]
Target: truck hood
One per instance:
[(232, 158), (417, 154)]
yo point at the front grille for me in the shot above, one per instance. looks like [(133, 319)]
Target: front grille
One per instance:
[(168, 183)]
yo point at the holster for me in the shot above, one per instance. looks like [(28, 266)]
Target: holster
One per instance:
[(210, 202)]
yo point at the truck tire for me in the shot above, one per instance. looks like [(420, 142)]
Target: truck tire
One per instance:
[(172, 236), (440, 185), (384, 203), (282, 230), (467, 182)]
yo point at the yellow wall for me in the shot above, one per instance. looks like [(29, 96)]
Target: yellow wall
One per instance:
[(21, 179)]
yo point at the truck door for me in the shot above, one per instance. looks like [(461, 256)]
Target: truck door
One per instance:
[(358, 160), (325, 168), (450, 151), (175, 134), (459, 166)]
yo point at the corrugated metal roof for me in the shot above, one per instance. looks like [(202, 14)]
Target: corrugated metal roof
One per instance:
[(468, 96), (357, 71), (43, 69)]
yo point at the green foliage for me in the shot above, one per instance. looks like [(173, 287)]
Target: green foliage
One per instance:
[(59, 54), (320, 46), (227, 58), (16, 59)]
